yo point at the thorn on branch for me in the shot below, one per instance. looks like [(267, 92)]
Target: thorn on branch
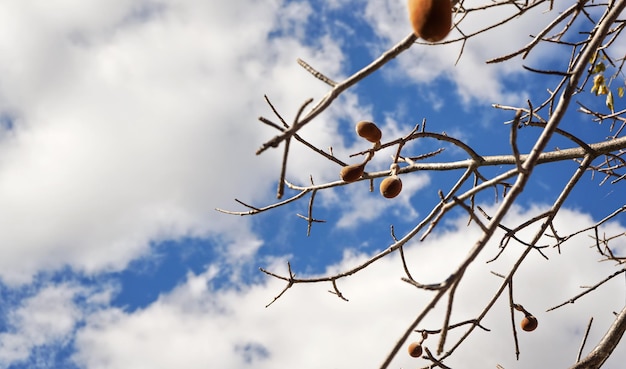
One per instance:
[(256, 210), (552, 72), (471, 213), (573, 299), (498, 274), (435, 361), (286, 134), (424, 156), (270, 123), (337, 292), (310, 220), (429, 287), (474, 322), (289, 280), (248, 206), (511, 234)]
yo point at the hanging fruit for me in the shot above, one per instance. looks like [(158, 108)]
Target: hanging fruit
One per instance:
[(529, 323), (351, 173), (431, 19), (391, 186), (369, 131)]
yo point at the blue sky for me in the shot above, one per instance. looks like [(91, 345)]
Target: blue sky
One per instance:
[(124, 125)]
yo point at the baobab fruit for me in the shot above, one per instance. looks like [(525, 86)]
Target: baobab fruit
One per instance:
[(391, 186), (415, 349), (369, 131), (529, 323), (351, 173), (431, 19)]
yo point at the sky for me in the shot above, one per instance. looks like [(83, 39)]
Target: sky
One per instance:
[(124, 124)]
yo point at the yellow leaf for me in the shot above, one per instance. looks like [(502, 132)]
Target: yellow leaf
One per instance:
[(609, 101), (603, 90), (598, 80), (620, 92), (599, 68)]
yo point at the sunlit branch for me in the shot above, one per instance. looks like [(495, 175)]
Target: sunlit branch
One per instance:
[(606, 346), (546, 114), (338, 89), (590, 289)]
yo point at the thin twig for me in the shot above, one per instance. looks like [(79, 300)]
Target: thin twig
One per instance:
[(606, 346), (582, 344), (573, 299), (403, 45)]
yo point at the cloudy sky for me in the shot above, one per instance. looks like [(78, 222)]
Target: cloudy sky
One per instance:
[(124, 124)]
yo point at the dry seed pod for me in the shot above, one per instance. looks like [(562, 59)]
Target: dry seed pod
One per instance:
[(391, 186), (415, 349), (369, 131), (431, 19), (351, 173), (529, 323)]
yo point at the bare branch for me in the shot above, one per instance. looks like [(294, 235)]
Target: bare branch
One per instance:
[(338, 89), (606, 346), (582, 345), (573, 299)]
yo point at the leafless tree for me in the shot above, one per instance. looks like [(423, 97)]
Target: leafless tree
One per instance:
[(591, 67)]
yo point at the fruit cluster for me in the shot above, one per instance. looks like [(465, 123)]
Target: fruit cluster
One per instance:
[(529, 323), (391, 186)]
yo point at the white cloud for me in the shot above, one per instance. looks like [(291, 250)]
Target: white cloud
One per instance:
[(475, 81), (47, 318), (133, 121), (196, 325)]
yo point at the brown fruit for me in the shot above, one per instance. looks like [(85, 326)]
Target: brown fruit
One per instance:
[(415, 349), (391, 186), (369, 131), (351, 173), (431, 19), (529, 323)]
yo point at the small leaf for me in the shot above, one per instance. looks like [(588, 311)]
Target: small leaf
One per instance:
[(603, 90), (609, 101), (598, 84), (620, 92), (599, 68), (598, 80)]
